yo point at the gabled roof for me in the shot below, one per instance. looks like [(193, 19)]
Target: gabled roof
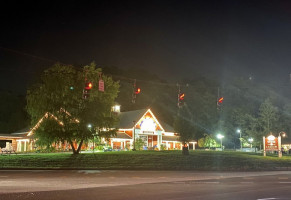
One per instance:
[(126, 118), (170, 138), (122, 136), (22, 131), (167, 127)]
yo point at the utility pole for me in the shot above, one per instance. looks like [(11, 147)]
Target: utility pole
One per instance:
[(179, 92), (135, 91)]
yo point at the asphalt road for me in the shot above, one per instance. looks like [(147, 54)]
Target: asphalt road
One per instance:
[(140, 185)]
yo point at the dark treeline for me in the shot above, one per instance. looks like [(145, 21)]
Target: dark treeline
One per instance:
[(13, 114), (254, 107)]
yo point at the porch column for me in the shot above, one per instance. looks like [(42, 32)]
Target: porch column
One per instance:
[(25, 145), (167, 145), (174, 145), (111, 143)]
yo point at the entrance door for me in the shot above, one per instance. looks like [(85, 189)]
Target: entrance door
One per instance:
[(150, 141)]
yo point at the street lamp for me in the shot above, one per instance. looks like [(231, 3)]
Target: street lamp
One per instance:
[(219, 136), (251, 141), (239, 131), (89, 127), (283, 134)]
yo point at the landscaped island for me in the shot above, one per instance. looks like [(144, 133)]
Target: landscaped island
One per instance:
[(148, 160)]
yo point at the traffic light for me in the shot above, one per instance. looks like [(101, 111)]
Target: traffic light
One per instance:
[(88, 86), (181, 98), (86, 91), (219, 102), (137, 91)]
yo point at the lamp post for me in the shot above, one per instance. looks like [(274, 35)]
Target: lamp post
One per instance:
[(280, 143), (90, 129), (239, 131), (283, 134), (219, 136), (133, 136)]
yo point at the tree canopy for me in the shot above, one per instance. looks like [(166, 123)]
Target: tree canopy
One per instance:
[(59, 97)]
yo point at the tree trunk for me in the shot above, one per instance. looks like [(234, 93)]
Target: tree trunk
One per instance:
[(73, 147), (185, 150), (79, 147)]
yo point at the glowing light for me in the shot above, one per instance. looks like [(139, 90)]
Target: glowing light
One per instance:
[(219, 136), (46, 115), (220, 100), (137, 91), (116, 108), (182, 96), (148, 124), (271, 137), (153, 116), (88, 86)]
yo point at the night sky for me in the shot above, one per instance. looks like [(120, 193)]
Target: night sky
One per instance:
[(173, 39)]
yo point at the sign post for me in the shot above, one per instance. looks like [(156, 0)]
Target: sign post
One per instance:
[(280, 148), (264, 145), (272, 143)]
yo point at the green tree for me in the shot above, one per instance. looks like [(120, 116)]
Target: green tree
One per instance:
[(207, 141), (182, 125), (59, 96), (268, 117)]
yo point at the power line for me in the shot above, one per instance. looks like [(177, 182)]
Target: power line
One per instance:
[(29, 55)]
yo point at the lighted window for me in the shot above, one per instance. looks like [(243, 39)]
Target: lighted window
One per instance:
[(148, 124)]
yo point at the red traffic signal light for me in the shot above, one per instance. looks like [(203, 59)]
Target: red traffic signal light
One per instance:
[(88, 86), (137, 91), (220, 100), (181, 96)]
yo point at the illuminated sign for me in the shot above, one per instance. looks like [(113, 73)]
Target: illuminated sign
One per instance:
[(271, 143)]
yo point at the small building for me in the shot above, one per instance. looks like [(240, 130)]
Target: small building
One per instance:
[(18, 141)]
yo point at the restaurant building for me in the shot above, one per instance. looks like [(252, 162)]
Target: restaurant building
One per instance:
[(138, 125)]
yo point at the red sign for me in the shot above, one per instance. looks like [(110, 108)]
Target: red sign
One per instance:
[(271, 144), (101, 85)]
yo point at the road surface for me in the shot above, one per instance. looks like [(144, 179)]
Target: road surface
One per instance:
[(142, 185)]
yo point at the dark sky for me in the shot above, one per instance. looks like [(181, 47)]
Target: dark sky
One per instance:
[(174, 39)]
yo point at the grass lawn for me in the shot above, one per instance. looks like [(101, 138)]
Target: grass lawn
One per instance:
[(149, 160)]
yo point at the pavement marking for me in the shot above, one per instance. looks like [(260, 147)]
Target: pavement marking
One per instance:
[(248, 178), (246, 182), (282, 178), (135, 177), (285, 182), (267, 198), (211, 182)]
